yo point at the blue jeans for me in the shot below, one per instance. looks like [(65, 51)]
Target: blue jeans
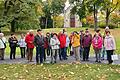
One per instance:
[(63, 53), (81, 51), (39, 54)]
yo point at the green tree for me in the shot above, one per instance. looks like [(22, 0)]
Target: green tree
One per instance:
[(110, 6), (18, 11), (85, 7), (52, 8)]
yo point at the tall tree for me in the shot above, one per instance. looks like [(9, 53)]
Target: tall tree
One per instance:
[(110, 6), (84, 7), (53, 8), (18, 10)]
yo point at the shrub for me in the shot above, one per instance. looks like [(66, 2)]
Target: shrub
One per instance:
[(103, 25)]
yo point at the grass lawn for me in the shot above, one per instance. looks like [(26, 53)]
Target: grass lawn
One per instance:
[(115, 33), (60, 72)]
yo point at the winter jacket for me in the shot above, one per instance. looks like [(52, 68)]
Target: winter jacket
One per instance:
[(87, 40), (46, 43), (29, 39), (54, 42), (97, 42), (109, 43), (13, 42), (39, 40), (2, 43), (22, 43), (62, 39), (76, 40), (67, 41)]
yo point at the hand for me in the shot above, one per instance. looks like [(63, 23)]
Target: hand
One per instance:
[(14, 41), (31, 42)]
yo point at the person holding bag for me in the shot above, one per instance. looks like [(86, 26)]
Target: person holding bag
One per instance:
[(110, 46)]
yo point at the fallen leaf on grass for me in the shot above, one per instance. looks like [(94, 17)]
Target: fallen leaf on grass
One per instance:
[(71, 72)]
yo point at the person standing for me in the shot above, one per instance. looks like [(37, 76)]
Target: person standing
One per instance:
[(62, 39), (48, 37), (76, 45), (67, 44), (103, 48), (39, 43), (22, 45), (81, 38), (110, 46), (86, 43), (97, 45), (29, 39), (54, 42), (13, 44), (2, 46)]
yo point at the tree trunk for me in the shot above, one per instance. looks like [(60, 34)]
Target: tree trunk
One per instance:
[(13, 26), (46, 23), (95, 18), (107, 17), (53, 22)]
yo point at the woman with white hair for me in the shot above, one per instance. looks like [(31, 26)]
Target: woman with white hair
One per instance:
[(2, 46), (29, 39)]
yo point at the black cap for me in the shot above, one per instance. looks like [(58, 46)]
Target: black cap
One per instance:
[(39, 30)]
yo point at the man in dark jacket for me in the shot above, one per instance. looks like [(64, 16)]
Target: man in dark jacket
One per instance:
[(13, 44), (39, 43), (86, 43)]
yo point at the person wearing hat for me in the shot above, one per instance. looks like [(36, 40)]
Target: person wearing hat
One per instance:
[(2, 46), (86, 44), (29, 39), (103, 48), (39, 43), (13, 44)]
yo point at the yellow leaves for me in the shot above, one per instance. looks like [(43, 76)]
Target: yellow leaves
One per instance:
[(16, 75), (117, 70), (71, 72), (115, 1), (62, 77)]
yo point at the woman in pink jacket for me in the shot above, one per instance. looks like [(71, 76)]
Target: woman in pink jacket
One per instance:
[(97, 45), (110, 46)]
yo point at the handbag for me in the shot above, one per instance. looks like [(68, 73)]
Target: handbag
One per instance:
[(115, 57)]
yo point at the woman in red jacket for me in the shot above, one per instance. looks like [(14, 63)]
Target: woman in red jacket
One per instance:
[(29, 39), (62, 39)]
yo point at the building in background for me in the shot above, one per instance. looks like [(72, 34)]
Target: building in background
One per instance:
[(70, 20)]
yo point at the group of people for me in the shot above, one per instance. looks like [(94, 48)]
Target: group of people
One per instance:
[(60, 44)]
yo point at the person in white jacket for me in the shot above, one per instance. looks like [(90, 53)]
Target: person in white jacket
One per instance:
[(2, 46), (54, 42), (110, 46), (22, 45)]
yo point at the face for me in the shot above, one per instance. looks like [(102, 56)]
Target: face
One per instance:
[(40, 32), (31, 32), (22, 36), (108, 34), (47, 34), (54, 36), (87, 33)]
